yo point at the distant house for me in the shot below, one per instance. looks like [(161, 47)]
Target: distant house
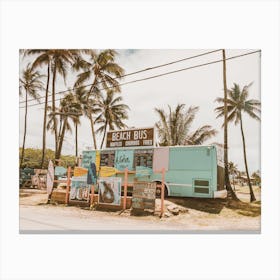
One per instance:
[(244, 181)]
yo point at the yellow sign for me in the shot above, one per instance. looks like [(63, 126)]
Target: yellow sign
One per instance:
[(107, 171), (80, 171), (97, 160)]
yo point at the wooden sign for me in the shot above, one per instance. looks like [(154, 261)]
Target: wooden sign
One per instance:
[(109, 191), (130, 138), (144, 195)]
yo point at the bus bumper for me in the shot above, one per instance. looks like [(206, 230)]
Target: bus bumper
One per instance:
[(220, 194)]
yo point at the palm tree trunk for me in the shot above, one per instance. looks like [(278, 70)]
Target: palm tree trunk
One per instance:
[(231, 193), (105, 130), (53, 109), (92, 131), (45, 118), (24, 134), (61, 139), (252, 196)]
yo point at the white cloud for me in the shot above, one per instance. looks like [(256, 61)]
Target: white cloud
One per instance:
[(199, 87)]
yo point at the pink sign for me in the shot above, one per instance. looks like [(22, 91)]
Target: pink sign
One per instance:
[(161, 159)]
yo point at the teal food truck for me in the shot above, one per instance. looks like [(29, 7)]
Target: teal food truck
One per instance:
[(190, 171)]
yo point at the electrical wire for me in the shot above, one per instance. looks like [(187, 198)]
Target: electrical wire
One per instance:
[(132, 73), (164, 74)]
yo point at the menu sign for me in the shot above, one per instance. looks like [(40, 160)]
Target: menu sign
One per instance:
[(107, 158), (144, 195), (130, 138)]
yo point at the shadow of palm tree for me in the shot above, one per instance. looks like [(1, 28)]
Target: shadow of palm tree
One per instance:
[(215, 206), (209, 205), (245, 208)]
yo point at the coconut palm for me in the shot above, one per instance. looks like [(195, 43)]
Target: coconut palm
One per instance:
[(88, 107), (42, 59), (69, 109), (112, 114), (61, 59), (233, 171), (174, 127), (102, 71), (238, 103), (57, 62), (31, 84)]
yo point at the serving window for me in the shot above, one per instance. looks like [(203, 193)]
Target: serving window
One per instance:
[(143, 158)]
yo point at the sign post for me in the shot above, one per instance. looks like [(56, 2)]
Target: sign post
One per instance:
[(68, 185), (125, 188), (162, 192)]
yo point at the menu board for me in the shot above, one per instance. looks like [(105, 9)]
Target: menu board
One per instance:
[(107, 158), (143, 158), (144, 195)]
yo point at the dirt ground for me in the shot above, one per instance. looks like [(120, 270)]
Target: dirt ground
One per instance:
[(194, 214)]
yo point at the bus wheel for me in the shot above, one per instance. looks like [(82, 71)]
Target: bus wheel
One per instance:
[(158, 191)]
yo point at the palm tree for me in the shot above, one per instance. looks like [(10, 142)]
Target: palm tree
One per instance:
[(174, 128), (233, 171), (43, 59), (112, 113), (60, 59), (31, 83), (57, 61), (101, 70), (238, 103), (69, 108)]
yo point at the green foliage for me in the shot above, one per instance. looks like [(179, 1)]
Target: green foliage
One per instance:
[(32, 158)]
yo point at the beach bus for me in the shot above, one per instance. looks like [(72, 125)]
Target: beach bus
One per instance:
[(191, 171)]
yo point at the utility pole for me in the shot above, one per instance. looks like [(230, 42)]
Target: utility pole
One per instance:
[(231, 193)]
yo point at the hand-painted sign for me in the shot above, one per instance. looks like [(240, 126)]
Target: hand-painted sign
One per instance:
[(142, 171), (109, 190), (50, 177), (60, 171), (130, 138), (80, 171), (124, 159), (143, 157), (88, 158), (107, 158), (107, 171), (80, 190), (144, 195)]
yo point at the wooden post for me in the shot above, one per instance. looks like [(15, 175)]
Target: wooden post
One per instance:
[(68, 185), (162, 192), (92, 195), (125, 188)]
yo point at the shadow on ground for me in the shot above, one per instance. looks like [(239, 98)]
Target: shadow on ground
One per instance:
[(215, 206)]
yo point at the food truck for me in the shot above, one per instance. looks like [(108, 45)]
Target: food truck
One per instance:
[(190, 171)]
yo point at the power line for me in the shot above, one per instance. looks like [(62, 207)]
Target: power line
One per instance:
[(133, 73), (167, 73)]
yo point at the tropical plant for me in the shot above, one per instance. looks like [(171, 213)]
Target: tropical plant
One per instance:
[(112, 113), (233, 171), (69, 109), (257, 177), (31, 84), (32, 158), (238, 103), (103, 72), (57, 61), (88, 107), (174, 127)]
